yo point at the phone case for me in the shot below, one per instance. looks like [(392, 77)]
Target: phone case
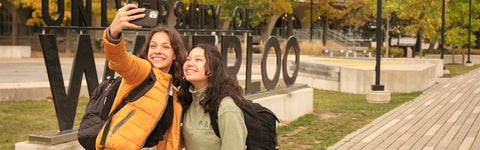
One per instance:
[(150, 19)]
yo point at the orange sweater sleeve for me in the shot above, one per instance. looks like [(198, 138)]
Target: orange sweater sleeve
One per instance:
[(133, 69)]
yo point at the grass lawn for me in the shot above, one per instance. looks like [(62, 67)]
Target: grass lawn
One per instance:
[(335, 115), (20, 119)]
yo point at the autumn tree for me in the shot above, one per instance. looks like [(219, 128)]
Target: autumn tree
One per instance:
[(29, 13), (327, 12), (456, 24), (389, 10), (424, 18), (357, 13), (36, 13)]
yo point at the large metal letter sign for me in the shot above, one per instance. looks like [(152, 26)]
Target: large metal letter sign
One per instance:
[(250, 87), (291, 43), (46, 15), (203, 39), (271, 42), (179, 11), (238, 25), (232, 42), (162, 19), (66, 103), (202, 21), (82, 16)]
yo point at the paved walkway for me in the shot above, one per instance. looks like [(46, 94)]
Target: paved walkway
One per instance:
[(445, 116)]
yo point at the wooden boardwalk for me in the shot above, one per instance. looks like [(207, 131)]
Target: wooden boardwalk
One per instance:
[(445, 116)]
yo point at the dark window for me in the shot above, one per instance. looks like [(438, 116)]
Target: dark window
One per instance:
[(5, 22)]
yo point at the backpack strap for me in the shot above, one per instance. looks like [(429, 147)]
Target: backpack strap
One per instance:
[(108, 101), (214, 122), (133, 95)]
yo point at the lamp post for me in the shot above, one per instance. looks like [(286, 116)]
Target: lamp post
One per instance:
[(469, 29), (378, 93), (377, 86)]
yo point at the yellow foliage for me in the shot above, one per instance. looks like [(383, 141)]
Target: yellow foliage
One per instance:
[(36, 6)]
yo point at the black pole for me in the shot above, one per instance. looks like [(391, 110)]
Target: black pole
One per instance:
[(311, 20), (469, 29), (377, 86), (442, 47)]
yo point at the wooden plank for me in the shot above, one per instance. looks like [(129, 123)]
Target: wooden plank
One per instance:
[(445, 116), (458, 103), (466, 122)]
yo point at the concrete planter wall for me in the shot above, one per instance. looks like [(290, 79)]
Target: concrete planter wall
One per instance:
[(405, 75), (15, 51)]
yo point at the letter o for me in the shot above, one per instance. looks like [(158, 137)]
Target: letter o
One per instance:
[(291, 42), (271, 42)]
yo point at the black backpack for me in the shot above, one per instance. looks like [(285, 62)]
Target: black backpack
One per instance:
[(98, 108), (261, 126)]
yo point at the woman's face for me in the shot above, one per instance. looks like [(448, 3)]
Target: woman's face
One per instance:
[(194, 68), (160, 51)]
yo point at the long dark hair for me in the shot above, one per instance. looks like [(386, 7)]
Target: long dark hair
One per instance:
[(220, 83), (176, 70)]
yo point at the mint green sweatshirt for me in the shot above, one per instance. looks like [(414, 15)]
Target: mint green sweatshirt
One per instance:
[(198, 133)]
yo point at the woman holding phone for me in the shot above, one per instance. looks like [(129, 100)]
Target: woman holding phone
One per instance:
[(153, 120)]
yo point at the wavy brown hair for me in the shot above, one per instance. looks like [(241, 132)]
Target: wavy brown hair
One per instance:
[(220, 83), (176, 41)]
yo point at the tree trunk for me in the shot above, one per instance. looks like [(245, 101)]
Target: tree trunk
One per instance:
[(14, 26), (418, 43), (23, 14), (463, 56), (453, 54), (431, 45), (289, 26), (387, 47), (68, 39), (267, 31), (325, 30)]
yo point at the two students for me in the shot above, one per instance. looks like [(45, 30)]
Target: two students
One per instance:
[(207, 87)]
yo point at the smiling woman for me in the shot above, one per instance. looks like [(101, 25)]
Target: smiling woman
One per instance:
[(209, 88), (153, 120), (195, 68), (160, 53)]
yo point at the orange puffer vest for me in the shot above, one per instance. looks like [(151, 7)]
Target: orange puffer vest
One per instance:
[(131, 126)]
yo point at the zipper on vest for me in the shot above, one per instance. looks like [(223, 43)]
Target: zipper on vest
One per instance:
[(123, 121), (163, 110)]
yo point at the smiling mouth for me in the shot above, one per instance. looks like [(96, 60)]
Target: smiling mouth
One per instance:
[(190, 71), (158, 58)]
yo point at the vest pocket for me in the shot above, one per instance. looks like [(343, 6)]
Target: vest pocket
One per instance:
[(123, 121)]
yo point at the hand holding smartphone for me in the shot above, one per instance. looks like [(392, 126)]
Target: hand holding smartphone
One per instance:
[(150, 19)]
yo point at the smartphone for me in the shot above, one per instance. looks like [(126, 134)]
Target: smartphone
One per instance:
[(150, 19)]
